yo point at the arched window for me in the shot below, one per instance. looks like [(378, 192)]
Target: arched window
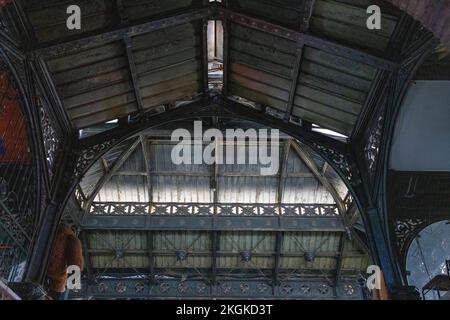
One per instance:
[(427, 256)]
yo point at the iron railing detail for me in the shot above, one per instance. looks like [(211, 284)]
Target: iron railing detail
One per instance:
[(206, 209)]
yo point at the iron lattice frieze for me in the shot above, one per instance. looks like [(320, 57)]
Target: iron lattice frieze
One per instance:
[(198, 209), (167, 288)]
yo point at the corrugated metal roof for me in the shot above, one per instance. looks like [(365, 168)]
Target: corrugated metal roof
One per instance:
[(182, 189), (238, 183)]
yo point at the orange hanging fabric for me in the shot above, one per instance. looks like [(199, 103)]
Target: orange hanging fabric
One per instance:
[(66, 251)]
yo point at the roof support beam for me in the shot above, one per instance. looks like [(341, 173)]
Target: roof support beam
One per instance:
[(86, 257), (151, 258), (120, 10), (225, 253), (66, 47), (280, 191), (134, 74), (373, 104), (304, 27), (200, 107), (244, 112), (205, 62), (295, 73), (23, 24), (204, 107), (226, 52), (278, 249), (339, 263), (283, 170), (215, 186), (215, 247), (308, 10), (148, 174), (105, 165), (212, 223)]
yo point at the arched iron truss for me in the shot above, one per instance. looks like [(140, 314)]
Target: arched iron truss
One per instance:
[(362, 163)]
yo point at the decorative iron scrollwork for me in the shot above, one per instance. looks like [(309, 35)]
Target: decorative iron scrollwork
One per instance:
[(262, 287), (305, 289), (50, 138), (244, 287), (201, 288), (183, 287), (405, 231), (226, 288), (102, 287), (323, 289), (349, 289), (340, 161), (121, 287), (287, 288), (372, 148), (87, 157), (164, 287), (139, 287)]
